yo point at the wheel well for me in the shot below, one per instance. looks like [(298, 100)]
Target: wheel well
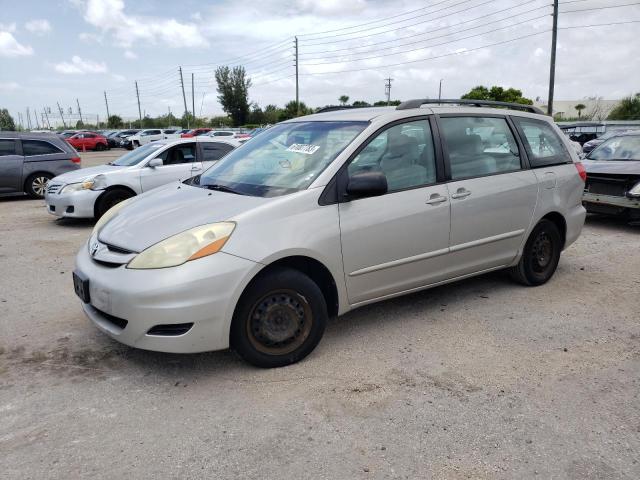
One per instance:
[(26, 180), (560, 222), (109, 189), (317, 272)]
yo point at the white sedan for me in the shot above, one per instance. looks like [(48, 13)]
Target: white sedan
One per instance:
[(90, 192)]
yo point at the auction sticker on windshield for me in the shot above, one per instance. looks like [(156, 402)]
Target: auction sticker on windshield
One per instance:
[(303, 148)]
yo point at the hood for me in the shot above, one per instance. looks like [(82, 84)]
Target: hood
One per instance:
[(79, 175), (625, 167), (174, 208)]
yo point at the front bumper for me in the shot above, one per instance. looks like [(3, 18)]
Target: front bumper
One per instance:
[(615, 201), (78, 204), (203, 292)]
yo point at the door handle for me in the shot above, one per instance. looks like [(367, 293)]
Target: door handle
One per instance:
[(461, 193), (436, 199)]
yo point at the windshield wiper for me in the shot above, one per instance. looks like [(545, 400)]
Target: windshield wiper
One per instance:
[(222, 188)]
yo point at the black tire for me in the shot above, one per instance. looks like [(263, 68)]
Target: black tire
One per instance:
[(135, 144), (109, 199), (36, 184), (100, 147), (279, 319), (540, 256)]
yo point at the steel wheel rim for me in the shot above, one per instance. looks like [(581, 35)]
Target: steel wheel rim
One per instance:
[(542, 252), (39, 185), (279, 322)]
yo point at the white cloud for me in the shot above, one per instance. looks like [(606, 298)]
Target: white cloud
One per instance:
[(38, 26), (130, 55), (10, 47), (8, 27), (110, 17), (9, 86), (78, 66)]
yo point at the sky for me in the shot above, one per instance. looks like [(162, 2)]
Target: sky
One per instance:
[(72, 51)]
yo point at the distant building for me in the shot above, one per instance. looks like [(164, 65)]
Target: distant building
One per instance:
[(596, 108)]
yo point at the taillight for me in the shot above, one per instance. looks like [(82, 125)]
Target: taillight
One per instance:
[(76, 159), (581, 171)]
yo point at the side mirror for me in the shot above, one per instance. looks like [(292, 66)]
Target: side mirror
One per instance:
[(155, 162), (367, 184)]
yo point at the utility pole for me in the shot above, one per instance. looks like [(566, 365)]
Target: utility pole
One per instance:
[(28, 119), (79, 110), (106, 102), (297, 83), (387, 89), (552, 69), (64, 124), (184, 97), (193, 100), (20, 121), (440, 91), (46, 115), (139, 111)]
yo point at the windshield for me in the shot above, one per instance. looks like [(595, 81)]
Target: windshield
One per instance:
[(284, 159), (618, 148), (136, 156)]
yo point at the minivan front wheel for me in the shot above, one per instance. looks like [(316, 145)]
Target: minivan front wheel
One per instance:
[(540, 256), (279, 320), (36, 184)]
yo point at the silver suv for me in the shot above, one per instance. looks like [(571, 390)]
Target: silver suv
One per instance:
[(29, 160), (322, 214)]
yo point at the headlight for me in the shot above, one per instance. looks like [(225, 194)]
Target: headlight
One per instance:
[(635, 191), (99, 182), (76, 187), (108, 215), (195, 243)]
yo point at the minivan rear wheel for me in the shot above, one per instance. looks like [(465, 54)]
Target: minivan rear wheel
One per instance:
[(540, 256), (36, 184), (279, 320)]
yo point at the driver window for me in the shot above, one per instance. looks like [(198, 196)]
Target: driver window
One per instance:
[(404, 153), (184, 153)]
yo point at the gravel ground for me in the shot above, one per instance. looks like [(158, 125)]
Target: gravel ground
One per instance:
[(480, 379)]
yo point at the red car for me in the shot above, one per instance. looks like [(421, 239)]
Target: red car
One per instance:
[(88, 141), (196, 132)]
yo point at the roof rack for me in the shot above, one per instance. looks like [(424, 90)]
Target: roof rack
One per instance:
[(417, 103), (333, 108)]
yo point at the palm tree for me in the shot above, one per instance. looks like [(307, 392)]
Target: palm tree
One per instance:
[(343, 99), (579, 108)]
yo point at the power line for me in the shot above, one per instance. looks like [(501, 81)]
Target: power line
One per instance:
[(599, 25), (430, 46), (433, 57), (600, 8), (440, 28)]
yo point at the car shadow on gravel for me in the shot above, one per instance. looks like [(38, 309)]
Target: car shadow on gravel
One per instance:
[(75, 222)]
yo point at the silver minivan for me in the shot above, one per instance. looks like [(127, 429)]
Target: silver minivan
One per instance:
[(29, 160), (325, 213)]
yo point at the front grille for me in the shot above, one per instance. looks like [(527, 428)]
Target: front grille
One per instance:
[(121, 323), (114, 249), (602, 188), (53, 187), (610, 184), (170, 330)]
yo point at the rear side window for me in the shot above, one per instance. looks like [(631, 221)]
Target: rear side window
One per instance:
[(544, 146), (215, 151), (7, 147), (479, 146), (38, 147)]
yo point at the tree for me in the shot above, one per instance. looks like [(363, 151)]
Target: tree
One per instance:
[(291, 111), (6, 120), (218, 122), (114, 121), (256, 115), (343, 99), (271, 114), (79, 125), (498, 94), (579, 107), (627, 109), (360, 103), (233, 92), (383, 103)]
